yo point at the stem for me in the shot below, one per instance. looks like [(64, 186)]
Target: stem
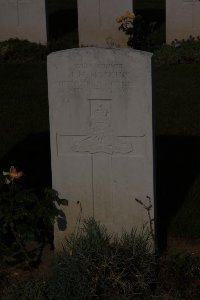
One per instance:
[(22, 247), (151, 220)]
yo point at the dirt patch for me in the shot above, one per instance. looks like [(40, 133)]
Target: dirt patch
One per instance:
[(183, 245), (17, 271)]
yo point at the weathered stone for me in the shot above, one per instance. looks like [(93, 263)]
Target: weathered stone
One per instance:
[(23, 19), (97, 22), (182, 19), (101, 135)]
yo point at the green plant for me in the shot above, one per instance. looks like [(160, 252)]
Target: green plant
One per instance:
[(179, 275), (27, 290), (17, 51), (25, 213), (22, 51), (179, 52), (137, 29), (94, 265)]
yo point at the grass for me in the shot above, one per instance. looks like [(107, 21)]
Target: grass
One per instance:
[(96, 265)]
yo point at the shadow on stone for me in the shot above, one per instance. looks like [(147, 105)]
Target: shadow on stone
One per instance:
[(156, 15), (61, 22), (177, 167)]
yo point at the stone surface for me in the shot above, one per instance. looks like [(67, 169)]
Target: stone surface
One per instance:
[(101, 135), (97, 22), (23, 19), (182, 19)]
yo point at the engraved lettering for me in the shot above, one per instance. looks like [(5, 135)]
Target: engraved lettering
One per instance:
[(107, 75)]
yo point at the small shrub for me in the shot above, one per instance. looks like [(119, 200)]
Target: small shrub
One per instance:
[(22, 51), (25, 213), (137, 29), (92, 265), (179, 52)]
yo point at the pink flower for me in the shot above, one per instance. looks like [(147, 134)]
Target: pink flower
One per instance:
[(13, 173)]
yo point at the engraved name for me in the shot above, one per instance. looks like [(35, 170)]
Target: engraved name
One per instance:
[(104, 75)]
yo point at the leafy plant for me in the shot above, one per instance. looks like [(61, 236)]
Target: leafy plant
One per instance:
[(179, 52), (94, 265), (137, 29), (25, 214), (18, 51)]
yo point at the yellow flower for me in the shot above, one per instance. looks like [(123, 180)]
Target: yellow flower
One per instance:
[(119, 19), (130, 15)]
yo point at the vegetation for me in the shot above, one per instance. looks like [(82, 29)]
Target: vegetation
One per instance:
[(179, 52), (97, 266), (27, 290), (24, 117), (94, 265), (26, 214), (17, 51)]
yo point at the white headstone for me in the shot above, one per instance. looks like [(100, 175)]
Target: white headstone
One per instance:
[(182, 19), (97, 24), (101, 135), (23, 19)]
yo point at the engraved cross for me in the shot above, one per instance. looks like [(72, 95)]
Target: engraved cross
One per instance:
[(193, 3), (18, 3), (101, 144), (99, 12)]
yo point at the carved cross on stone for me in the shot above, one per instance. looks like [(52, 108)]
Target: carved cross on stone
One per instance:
[(99, 9), (193, 3), (17, 3), (101, 144), (101, 137)]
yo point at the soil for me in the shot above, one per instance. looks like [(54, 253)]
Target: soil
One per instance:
[(16, 271)]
